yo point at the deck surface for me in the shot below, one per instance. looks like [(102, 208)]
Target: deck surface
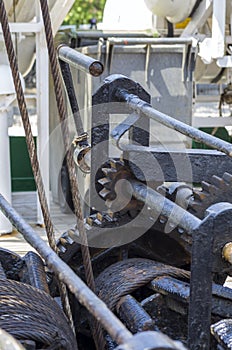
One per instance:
[(25, 203)]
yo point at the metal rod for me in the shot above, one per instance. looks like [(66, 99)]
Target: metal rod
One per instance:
[(80, 61), (165, 207), (146, 110), (134, 315), (151, 41), (68, 81), (84, 295)]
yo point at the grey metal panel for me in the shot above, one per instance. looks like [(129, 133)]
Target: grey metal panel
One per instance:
[(164, 73)]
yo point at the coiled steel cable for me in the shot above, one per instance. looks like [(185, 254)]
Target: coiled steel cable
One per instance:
[(31, 148), (97, 333)]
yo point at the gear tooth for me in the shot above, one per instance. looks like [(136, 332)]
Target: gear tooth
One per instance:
[(180, 230), (222, 331), (89, 221), (116, 164), (99, 217), (121, 163), (104, 193), (68, 237), (62, 249), (109, 171), (104, 181), (113, 163), (163, 219), (196, 207), (217, 181), (206, 186), (227, 178), (199, 196), (63, 241), (110, 213)]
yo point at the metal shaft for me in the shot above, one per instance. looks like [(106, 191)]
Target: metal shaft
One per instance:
[(165, 207), (149, 41), (134, 315), (145, 110), (84, 295), (80, 61), (67, 77)]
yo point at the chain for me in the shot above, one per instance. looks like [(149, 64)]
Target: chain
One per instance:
[(32, 149), (97, 333)]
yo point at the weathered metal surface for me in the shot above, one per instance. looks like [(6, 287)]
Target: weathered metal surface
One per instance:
[(217, 190), (165, 207), (151, 341), (222, 331), (133, 315), (11, 262), (201, 288), (35, 273), (189, 165), (180, 291), (85, 296), (80, 61), (103, 105)]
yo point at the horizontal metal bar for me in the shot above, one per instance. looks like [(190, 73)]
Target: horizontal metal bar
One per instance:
[(144, 109), (189, 165), (33, 27), (163, 206), (80, 61), (96, 34), (84, 295), (211, 122), (180, 291), (149, 41)]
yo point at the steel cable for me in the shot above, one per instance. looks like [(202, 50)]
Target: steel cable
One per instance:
[(97, 333), (31, 148)]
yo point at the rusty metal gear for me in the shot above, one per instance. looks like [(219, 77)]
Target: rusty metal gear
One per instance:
[(219, 190), (196, 201), (112, 186)]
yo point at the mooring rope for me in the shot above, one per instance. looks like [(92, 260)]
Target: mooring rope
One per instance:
[(97, 333), (32, 149)]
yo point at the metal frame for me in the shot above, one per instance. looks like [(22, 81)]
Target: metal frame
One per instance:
[(205, 234), (96, 307)]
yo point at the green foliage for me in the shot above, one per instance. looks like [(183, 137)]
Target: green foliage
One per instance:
[(83, 10)]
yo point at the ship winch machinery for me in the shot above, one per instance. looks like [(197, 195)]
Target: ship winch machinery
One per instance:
[(152, 208), (158, 228)]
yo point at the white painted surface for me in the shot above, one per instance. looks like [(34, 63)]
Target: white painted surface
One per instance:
[(174, 10), (218, 28), (225, 61), (5, 178), (126, 15)]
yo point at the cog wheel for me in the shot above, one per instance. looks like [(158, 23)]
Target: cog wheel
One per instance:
[(219, 190), (113, 187)]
